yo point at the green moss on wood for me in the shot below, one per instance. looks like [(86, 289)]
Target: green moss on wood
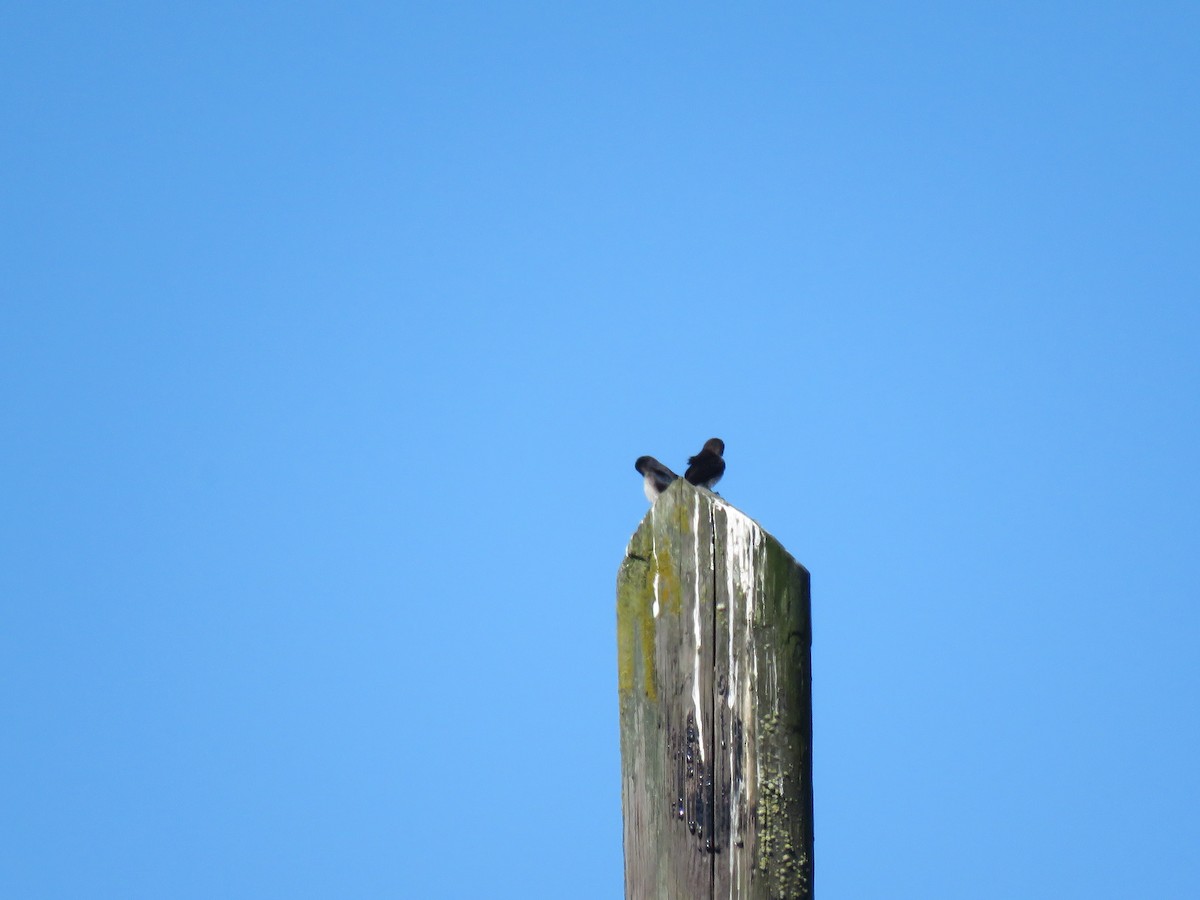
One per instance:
[(635, 614), (781, 860), (635, 625), (670, 591)]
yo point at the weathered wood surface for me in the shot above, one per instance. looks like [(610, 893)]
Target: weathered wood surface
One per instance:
[(715, 678)]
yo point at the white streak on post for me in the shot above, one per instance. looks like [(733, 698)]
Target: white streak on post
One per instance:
[(741, 544), (696, 626), (654, 553)]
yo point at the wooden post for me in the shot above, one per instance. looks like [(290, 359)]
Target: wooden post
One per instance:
[(715, 679)]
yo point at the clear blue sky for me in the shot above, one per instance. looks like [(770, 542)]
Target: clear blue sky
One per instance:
[(330, 333)]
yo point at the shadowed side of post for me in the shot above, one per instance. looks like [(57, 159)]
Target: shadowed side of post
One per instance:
[(715, 680)]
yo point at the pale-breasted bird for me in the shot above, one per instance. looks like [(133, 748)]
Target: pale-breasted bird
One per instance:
[(657, 477), (706, 467)]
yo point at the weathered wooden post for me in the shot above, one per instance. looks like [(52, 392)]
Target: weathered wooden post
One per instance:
[(715, 677)]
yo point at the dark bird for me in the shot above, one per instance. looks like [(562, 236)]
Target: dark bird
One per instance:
[(657, 476), (706, 467)]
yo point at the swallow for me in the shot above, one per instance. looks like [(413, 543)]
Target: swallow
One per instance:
[(706, 467), (657, 476)]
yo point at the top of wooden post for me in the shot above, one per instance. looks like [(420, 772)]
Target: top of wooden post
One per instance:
[(714, 675)]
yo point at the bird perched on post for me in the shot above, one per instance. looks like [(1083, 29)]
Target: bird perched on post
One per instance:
[(657, 476), (706, 467)]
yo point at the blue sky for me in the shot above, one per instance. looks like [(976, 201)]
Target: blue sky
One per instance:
[(330, 334)]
